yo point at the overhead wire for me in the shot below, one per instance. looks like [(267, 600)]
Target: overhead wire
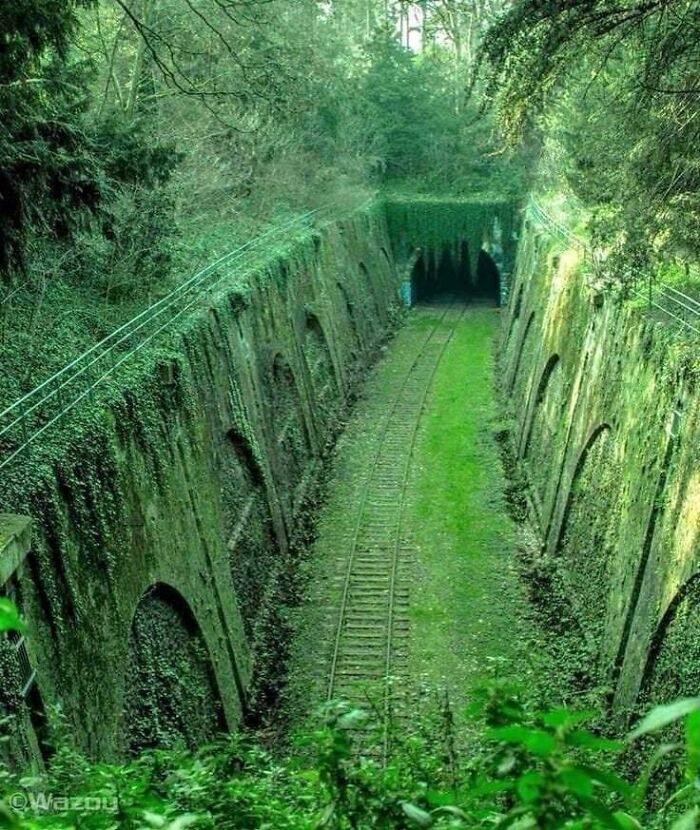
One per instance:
[(127, 331)]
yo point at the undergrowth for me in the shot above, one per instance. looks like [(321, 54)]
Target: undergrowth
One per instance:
[(529, 769)]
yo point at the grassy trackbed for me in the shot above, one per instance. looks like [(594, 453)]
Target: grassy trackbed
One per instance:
[(467, 606), (468, 614)]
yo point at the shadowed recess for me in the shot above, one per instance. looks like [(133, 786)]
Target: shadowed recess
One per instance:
[(171, 693)]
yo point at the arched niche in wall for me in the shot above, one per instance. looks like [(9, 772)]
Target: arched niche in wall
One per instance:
[(240, 470), (522, 359), (249, 532), (353, 327), (317, 354), (518, 304), (587, 533), (672, 443), (672, 666), (319, 362), (514, 320), (545, 421), (170, 691), (288, 424), (26, 729)]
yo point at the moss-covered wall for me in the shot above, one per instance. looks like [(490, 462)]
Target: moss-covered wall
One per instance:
[(607, 424), (189, 473)]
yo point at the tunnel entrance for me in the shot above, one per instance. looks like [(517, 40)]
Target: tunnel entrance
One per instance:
[(452, 274)]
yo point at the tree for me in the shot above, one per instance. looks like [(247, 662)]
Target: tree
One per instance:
[(613, 84)]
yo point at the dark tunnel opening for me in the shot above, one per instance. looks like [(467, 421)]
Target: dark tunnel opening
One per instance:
[(434, 278)]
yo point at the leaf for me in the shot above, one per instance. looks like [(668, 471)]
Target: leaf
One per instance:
[(627, 821), (523, 823), (576, 781), (529, 786), (692, 744), (489, 787), (687, 821), (662, 716), (450, 810), (7, 817), (534, 740), (519, 817), (640, 789), (682, 794), (598, 810), (566, 717), (608, 779), (416, 815), (581, 737), (326, 816), (153, 819), (9, 616), (437, 798), (183, 822)]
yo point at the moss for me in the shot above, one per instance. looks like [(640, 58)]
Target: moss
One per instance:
[(171, 693), (435, 224)]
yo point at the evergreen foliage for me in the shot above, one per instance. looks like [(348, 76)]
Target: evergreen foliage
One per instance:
[(611, 87)]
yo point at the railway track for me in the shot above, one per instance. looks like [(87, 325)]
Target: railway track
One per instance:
[(372, 624)]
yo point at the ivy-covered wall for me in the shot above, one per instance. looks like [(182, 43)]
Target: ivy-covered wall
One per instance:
[(167, 505), (435, 227), (606, 409)]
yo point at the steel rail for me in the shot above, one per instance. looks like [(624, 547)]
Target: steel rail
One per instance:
[(399, 529), (665, 310), (684, 295), (661, 288), (361, 511), (195, 282)]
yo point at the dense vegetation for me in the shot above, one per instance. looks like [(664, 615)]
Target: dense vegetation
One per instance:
[(611, 88), (178, 111), (142, 138), (528, 769)]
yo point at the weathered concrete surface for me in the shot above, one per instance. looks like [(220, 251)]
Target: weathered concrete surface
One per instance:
[(607, 423)]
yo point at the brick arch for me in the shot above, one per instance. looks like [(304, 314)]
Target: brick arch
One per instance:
[(245, 456), (171, 695), (317, 354), (351, 316), (514, 316), (247, 523), (585, 541), (552, 366), (664, 676), (288, 423), (603, 429), (540, 441)]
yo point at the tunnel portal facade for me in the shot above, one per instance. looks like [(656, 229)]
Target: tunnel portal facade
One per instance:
[(455, 273)]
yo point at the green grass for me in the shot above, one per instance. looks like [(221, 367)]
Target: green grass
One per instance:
[(466, 602), (466, 605)]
